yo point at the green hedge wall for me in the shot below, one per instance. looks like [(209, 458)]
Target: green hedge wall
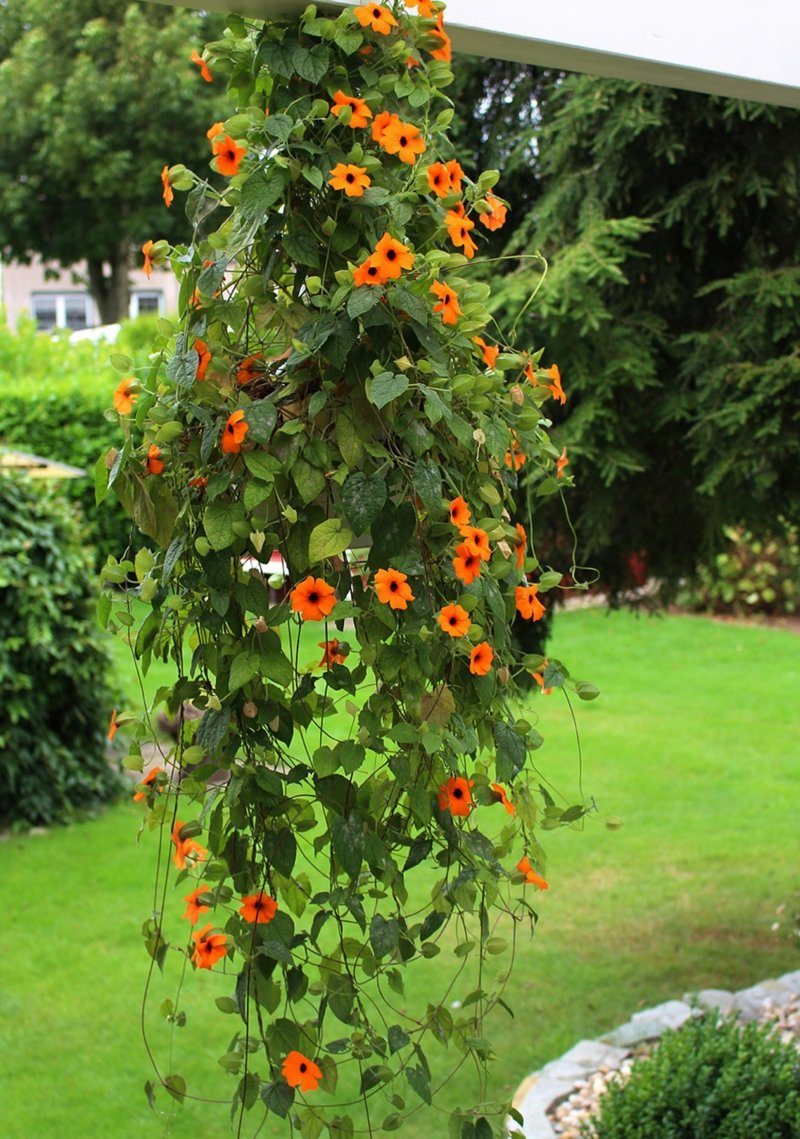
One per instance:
[(55, 703), (52, 398)]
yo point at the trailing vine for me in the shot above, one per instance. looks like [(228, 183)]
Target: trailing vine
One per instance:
[(331, 398)]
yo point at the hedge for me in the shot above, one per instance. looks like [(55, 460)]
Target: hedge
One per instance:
[(53, 395)]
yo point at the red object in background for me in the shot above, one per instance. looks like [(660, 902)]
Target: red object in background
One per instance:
[(636, 564)]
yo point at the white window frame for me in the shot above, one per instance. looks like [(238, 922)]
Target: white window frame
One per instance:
[(61, 306), (133, 307)]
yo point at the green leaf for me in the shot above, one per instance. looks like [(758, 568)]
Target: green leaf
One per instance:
[(176, 1086), (261, 465), (218, 523), (363, 498), (362, 299), (386, 387), (510, 756), (274, 665), (384, 935), (212, 729), (347, 843), (391, 531), (258, 194), (278, 1098), (415, 306), (278, 126), (349, 439), (312, 65), (309, 480), (397, 1038), (420, 1082), (301, 243), (328, 540), (428, 484), (261, 418), (245, 666)]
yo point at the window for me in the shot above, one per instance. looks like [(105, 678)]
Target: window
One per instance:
[(61, 310), (143, 302)]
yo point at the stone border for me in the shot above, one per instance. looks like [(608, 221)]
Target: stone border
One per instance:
[(544, 1090)]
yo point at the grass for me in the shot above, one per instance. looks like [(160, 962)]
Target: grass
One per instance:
[(690, 746)]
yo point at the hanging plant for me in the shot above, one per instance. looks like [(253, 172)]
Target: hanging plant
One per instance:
[(331, 393)]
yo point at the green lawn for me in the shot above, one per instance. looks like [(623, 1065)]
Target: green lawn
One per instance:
[(692, 745)]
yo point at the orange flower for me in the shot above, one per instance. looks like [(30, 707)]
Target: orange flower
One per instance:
[(208, 947), (354, 180), (300, 1072), (480, 659), (496, 218), (402, 139), (521, 546), (455, 795), (561, 462), (458, 228), (233, 433), (313, 599), (391, 588), (214, 131), (439, 179), (459, 512), (259, 908), (531, 876), (425, 7), (454, 620), (377, 17), (200, 482), (392, 257), (490, 352), (186, 848), (448, 304), (113, 726), (501, 791), (515, 457), (228, 155), (166, 187), (369, 272), (148, 264), (148, 779), (124, 396), (444, 52), (249, 369), (455, 174), (476, 541), (195, 57), (555, 387), (332, 653), (197, 904), (380, 123), (360, 110), (204, 358), (529, 606), (466, 564), (153, 462)]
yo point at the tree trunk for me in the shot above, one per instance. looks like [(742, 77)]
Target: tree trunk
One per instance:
[(111, 291)]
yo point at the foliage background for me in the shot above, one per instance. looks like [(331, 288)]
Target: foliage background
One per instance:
[(95, 97), (670, 221), (53, 663), (53, 399)]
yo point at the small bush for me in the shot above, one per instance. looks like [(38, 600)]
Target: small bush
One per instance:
[(750, 575), (55, 703), (713, 1079), (52, 398)]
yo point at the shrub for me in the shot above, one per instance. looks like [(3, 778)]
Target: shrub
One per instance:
[(52, 662), (713, 1079), (53, 395), (751, 575)]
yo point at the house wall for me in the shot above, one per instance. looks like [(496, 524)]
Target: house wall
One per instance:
[(45, 289)]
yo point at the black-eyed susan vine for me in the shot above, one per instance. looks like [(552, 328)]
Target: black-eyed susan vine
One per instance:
[(332, 394)]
